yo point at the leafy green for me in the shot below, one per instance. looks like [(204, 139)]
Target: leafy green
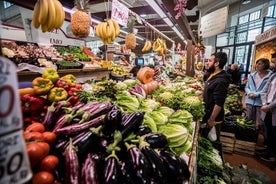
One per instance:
[(148, 105), (182, 117), (179, 139), (149, 122), (128, 103), (158, 118), (167, 111)]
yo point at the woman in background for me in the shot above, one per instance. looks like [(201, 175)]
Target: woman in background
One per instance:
[(255, 84)]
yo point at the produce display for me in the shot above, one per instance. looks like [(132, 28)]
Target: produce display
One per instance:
[(60, 57), (115, 133), (48, 14), (233, 101)]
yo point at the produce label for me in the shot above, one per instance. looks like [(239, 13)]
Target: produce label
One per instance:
[(10, 111), (14, 162)]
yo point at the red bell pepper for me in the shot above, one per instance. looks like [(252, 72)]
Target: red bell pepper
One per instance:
[(32, 103), (61, 83), (40, 114), (73, 95)]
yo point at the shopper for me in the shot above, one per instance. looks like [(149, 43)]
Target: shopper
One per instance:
[(255, 83), (235, 74), (215, 92), (268, 114)]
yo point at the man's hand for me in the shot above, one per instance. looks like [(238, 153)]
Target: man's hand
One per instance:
[(211, 123)]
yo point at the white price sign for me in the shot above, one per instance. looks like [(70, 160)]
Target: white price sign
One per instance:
[(14, 164), (10, 110), (119, 13)]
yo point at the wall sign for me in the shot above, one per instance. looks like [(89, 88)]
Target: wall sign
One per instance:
[(266, 36), (214, 23)]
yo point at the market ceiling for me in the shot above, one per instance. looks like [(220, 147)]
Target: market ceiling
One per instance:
[(187, 24)]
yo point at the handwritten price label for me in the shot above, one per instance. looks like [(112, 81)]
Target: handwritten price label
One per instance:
[(14, 165), (119, 13), (10, 111), (14, 162)]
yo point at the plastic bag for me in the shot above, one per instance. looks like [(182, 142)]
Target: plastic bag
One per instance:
[(212, 135)]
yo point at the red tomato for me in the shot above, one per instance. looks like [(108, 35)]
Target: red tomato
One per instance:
[(33, 136), (49, 137), (45, 146), (35, 127), (36, 152), (43, 177), (48, 163)]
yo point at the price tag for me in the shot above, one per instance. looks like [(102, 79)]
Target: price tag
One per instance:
[(119, 13), (14, 161), (10, 110)]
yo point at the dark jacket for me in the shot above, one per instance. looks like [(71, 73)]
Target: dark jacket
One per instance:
[(215, 92), (236, 77)]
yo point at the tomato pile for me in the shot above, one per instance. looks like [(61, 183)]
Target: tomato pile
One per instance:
[(38, 145)]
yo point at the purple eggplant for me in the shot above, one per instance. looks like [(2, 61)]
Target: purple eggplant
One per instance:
[(77, 128), (71, 165), (158, 171), (63, 120), (89, 173), (48, 121), (176, 167), (156, 140), (138, 165), (95, 111), (143, 130), (112, 121), (131, 123), (112, 172)]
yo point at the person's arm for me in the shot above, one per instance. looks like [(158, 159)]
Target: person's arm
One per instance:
[(215, 112)]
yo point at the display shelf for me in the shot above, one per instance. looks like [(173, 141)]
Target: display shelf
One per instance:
[(82, 75)]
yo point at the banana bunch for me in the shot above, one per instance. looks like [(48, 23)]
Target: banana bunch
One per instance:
[(48, 14), (160, 47), (147, 46), (108, 31)]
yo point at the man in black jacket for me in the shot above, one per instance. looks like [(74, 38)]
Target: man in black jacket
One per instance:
[(215, 93)]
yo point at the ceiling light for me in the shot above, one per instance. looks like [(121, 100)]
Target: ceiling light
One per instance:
[(246, 1), (162, 14)]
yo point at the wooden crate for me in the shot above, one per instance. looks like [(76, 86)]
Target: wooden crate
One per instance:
[(228, 141), (245, 147)]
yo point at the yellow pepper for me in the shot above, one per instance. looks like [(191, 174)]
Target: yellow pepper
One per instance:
[(42, 86), (71, 79), (57, 94), (50, 73)]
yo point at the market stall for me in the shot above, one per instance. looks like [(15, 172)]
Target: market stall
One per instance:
[(265, 45)]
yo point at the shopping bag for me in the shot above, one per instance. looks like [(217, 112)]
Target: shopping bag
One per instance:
[(212, 135)]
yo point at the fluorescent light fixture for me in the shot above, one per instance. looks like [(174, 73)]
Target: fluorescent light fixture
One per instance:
[(177, 32), (162, 14), (123, 31), (168, 21), (246, 1)]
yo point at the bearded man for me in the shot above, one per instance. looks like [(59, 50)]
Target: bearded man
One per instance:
[(215, 93)]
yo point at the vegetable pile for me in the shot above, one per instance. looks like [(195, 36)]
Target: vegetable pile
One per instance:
[(112, 134), (233, 101)]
